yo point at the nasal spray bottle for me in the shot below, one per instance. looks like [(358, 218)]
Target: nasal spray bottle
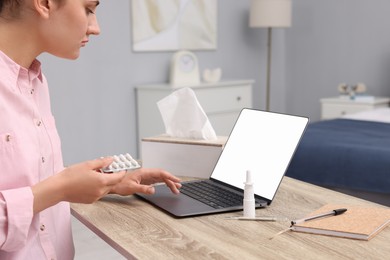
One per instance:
[(249, 197)]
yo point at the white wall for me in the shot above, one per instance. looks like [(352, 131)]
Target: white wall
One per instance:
[(93, 97), (331, 41)]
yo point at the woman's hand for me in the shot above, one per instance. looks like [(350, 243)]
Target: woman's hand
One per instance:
[(86, 184), (140, 181), (80, 183)]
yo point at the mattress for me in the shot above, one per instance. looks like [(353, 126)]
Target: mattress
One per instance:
[(345, 153)]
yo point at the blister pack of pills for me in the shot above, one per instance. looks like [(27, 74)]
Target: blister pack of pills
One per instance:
[(122, 162)]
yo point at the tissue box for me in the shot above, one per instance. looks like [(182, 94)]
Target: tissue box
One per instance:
[(182, 157)]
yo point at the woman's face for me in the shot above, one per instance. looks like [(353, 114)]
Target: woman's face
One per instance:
[(69, 26)]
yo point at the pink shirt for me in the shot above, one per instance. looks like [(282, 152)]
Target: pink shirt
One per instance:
[(30, 151)]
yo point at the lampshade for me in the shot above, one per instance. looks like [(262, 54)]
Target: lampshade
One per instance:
[(270, 13)]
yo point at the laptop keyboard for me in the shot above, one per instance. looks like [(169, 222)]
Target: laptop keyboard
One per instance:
[(211, 194)]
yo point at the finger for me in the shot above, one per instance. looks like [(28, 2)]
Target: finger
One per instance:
[(173, 186), (145, 189), (166, 176), (99, 163), (172, 178), (106, 161), (162, 174)]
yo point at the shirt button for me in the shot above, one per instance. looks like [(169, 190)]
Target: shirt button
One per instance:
[(42, 228), (8, 138), (39, 123), (43, 159), (32, 91)]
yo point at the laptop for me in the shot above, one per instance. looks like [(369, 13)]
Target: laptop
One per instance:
[(261, 142)]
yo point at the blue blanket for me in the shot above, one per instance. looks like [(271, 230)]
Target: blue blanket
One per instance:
[(344, 153)]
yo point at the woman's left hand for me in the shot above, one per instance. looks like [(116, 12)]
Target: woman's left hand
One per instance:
[(141, 180)]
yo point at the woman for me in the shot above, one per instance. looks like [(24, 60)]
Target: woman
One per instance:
[(35, 188)]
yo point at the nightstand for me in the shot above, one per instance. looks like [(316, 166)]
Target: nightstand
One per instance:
[(221, 101), (336, 106)]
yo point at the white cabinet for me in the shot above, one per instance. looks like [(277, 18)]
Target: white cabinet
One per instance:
[(336, 107), (222, 102)]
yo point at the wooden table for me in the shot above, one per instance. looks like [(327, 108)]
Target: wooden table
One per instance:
[(140, 231)]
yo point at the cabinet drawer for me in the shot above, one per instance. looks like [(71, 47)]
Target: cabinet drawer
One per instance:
[(335, 110), (337, 107), (222, 99)]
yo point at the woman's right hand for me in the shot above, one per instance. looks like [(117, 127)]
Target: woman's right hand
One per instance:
[(84, 183), (79, 183)]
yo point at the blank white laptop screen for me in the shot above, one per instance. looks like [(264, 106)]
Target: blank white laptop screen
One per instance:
[(263, 144)]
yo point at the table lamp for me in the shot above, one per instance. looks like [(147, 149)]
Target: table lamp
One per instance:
[(270, 14)]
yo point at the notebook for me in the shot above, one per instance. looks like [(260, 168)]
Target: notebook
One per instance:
[(262, 142), (358, 222)]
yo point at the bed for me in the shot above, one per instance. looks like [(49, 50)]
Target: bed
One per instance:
[(351, 153)]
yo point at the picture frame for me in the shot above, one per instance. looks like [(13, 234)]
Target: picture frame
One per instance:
[(172, 25)]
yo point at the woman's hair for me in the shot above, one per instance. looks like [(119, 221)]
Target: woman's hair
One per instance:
[(10, 8)]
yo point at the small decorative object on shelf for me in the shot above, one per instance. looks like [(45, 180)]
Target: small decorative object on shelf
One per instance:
[(343, 88), (212, 75), (356, 91), (184, 69)]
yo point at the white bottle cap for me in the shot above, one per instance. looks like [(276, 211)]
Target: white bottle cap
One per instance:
[(248, 177)]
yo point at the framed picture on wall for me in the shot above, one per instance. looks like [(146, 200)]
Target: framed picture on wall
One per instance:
[(171, 25)]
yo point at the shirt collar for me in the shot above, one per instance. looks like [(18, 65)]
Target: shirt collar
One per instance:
[(13, 70), (35, 70)]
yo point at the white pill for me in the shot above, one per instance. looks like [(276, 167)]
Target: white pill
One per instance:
[(128, 164), (114, 165), (122, 157), (128, 157), (134, 162), (121, 165)]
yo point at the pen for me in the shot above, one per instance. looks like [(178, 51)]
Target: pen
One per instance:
[(327, 214), (256, 218)]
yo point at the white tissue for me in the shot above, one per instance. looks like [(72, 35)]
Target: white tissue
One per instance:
[(184, 117)]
